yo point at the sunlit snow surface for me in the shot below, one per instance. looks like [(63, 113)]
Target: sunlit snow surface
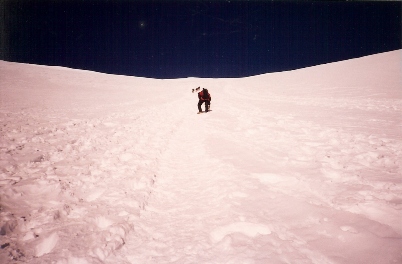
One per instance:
[(293, 167)]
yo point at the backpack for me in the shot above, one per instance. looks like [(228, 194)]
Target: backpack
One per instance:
[(204, 94)]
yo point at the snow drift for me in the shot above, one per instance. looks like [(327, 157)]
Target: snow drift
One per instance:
[(294, 167)]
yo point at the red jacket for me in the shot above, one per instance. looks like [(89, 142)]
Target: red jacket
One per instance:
[(204, 96)]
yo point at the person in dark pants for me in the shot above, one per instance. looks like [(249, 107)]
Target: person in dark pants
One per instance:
[(204, 96)]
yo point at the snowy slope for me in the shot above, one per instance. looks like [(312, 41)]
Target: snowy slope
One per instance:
[(293, 167)]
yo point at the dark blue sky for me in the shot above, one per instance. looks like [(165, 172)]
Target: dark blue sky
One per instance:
[(172, 39)]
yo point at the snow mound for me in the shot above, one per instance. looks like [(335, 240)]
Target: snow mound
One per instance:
[(294, 167)]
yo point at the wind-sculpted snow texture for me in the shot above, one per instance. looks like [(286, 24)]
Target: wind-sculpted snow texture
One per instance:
[(293, 167)]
